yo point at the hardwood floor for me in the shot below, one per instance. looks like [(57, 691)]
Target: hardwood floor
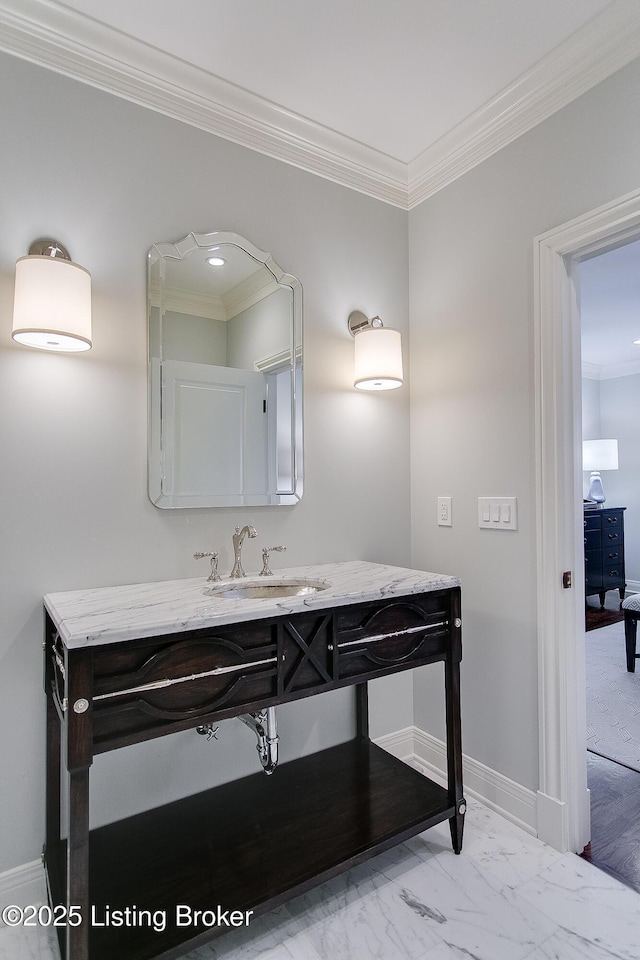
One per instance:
[(615, 819), (615, 789)]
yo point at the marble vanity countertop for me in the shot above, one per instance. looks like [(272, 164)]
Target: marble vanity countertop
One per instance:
[(111, 614)]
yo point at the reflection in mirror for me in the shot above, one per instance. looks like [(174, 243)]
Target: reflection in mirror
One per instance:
[(225, 375)]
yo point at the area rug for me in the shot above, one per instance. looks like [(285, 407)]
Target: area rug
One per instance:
[(613, 698), (596, 618)]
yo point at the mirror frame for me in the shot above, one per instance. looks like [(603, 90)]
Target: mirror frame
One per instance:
[(155, 467)]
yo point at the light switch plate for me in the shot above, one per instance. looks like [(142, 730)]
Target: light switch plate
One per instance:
[(498, 513), (444, 512)]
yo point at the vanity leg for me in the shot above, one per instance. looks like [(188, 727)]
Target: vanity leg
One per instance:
[(53, 752), (78, 864), (362, 711), (454, 753), (79, 756), (52, 834), (454, 729)]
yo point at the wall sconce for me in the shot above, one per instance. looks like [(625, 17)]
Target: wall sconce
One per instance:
[(52, 300), (378, 353), (598, 455)]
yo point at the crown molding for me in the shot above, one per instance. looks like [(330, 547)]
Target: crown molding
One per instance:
[(611, 371), (51, 35), (70, 43), (591, 371), (623, 368), (604, 45)]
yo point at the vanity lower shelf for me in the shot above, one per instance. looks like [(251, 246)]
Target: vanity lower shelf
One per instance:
[(250, 845)]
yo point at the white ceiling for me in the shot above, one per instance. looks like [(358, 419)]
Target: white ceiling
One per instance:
[(392, 97)]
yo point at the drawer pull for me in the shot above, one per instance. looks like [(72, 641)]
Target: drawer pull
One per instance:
[(391, 636), (58, 662), (160, 684)]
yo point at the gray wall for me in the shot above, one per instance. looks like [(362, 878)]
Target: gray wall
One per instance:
[(472, 400), (610, 409), (590, 412), (262, 330), (193, 339), (619, 407), (108, 179)]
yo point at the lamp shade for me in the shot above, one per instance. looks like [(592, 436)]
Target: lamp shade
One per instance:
[(52, 304), (599, 455), (378, 359)]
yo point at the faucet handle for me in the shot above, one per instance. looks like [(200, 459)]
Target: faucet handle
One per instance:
[(214, 575), (266, 570)]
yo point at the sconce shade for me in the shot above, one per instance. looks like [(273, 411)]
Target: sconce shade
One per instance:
[(52, 304), (378, 359)]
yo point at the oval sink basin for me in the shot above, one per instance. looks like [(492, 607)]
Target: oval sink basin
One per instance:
[(266, 589)]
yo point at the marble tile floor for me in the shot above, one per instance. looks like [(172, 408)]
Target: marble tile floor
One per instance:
[(507, 897)]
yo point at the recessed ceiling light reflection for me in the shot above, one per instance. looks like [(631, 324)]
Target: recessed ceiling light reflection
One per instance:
[(216, 261)]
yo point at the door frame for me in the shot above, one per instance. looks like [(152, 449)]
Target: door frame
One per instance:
[(563, 797)]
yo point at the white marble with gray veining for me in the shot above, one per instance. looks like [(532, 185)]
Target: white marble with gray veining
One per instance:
[(111, 614), (506, 896)]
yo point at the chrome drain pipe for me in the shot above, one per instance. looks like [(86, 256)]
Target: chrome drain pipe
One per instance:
[(265, 727)]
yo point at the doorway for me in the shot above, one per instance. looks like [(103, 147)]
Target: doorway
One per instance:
[(609, 294), (563, 799)]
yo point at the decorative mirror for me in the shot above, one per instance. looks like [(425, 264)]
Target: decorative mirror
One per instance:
[(225, 375)]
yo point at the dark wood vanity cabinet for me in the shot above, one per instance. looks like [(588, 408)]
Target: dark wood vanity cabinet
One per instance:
[(249, 845), (604, 551)]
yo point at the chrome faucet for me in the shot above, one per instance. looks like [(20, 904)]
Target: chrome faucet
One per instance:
[(266, 569), (214, 575), (238, 540)]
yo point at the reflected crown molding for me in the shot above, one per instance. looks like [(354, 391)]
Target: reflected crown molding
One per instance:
[(246, 294), (51, 35), (249, 292), (194, 304)]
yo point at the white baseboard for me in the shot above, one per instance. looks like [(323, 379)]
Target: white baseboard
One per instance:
[(553, 826), (400, 744), (23, 886), (499, 793), (632, 586)]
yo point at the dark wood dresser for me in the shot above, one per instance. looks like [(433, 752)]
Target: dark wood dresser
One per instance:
[(604, 551)]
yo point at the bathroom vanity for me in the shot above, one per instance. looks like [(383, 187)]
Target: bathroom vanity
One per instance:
[(127, 664)]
